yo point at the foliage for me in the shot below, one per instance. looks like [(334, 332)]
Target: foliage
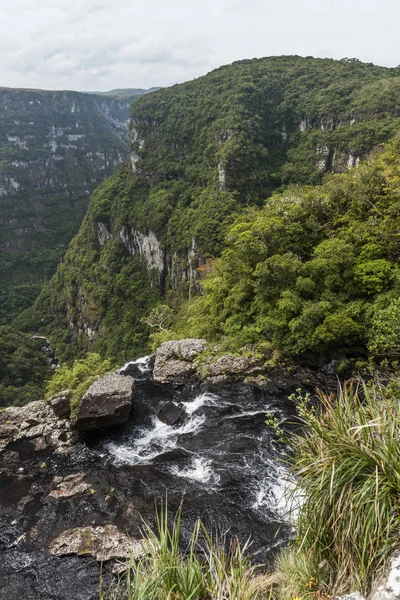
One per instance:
[(23, 368), (166, 572), (315, 270), (160, 317), (55, 147), (347, 465), (78, 378), (204, 151)]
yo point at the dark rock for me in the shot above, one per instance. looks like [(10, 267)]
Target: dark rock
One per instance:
[(170, 413), (108, 402), (61, 405)]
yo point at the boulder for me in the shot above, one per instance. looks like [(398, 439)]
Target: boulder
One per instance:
[(104, 543), (107, 402), (170, 413), (175, 360), (61, 405)]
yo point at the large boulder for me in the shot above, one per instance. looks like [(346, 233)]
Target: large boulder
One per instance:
[(107, 402), (176, 360)]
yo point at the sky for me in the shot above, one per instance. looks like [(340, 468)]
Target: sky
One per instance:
[(106, 44)]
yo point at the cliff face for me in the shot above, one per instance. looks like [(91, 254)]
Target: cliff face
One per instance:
[(55, 148), (200, 153)]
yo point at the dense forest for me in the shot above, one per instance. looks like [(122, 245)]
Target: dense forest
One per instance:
[(204, 152)]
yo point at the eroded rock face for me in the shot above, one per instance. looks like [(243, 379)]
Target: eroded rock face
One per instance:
[(104, 543), (35, 425), (108, 402), (175, 360)]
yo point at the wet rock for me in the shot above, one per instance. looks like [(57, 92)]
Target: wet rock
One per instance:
[(170, 413), (108, 402), (175, 360), (138, 369), (104, 543)]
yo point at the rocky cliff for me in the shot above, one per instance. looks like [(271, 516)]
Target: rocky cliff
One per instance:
[(55, 148), (201, 152)]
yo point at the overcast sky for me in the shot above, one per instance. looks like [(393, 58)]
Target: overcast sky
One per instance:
[(105, 44)]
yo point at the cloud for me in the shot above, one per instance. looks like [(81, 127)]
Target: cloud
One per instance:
[(102, 44)]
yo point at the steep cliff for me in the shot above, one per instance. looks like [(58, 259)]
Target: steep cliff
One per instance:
[(55, 148), (200, 153)]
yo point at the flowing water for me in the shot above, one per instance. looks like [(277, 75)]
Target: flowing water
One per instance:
[(222, 455)]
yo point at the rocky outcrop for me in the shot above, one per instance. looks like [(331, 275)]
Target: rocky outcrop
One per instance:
[(35, 426), (108, 402), (175, 360), (104, 543)]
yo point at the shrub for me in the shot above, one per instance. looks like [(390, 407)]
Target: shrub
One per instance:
[(78, 378)]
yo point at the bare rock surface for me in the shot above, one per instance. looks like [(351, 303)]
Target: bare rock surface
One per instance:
[(69, 486), (175, 360), (37, 424), (104, 543), (108, 402)]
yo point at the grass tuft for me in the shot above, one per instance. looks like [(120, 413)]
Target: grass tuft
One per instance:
[(205, 570), (347, 464)]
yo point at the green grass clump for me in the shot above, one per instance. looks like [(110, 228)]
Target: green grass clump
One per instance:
[(78, 378), (347, 464), (205, 570)]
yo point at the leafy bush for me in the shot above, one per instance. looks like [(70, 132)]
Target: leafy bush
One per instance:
[(78, 378), (308, 272)]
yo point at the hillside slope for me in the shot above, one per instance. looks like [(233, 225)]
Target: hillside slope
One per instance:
[(201, 152), (55, 148)]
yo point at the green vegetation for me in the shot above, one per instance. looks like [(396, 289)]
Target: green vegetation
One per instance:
[(55, 147), (205, 151), (23, 368), (314, 271), (78, 378), (166, 572), (347, 467)]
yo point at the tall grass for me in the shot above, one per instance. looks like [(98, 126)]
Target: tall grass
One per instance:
[(205, 570), (347, 464)]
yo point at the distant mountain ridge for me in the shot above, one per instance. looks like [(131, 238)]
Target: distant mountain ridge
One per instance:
[(126, 92), (55, 148)]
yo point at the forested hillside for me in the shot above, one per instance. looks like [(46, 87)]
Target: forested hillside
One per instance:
[(206, 150), (55, 148)]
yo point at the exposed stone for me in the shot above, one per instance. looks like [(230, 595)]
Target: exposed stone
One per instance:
[(227, 365), (388, 588), (104, 543), (175, 359), (70, 486), (107, 402), (61, 405), (170, 413), (36, 422)]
